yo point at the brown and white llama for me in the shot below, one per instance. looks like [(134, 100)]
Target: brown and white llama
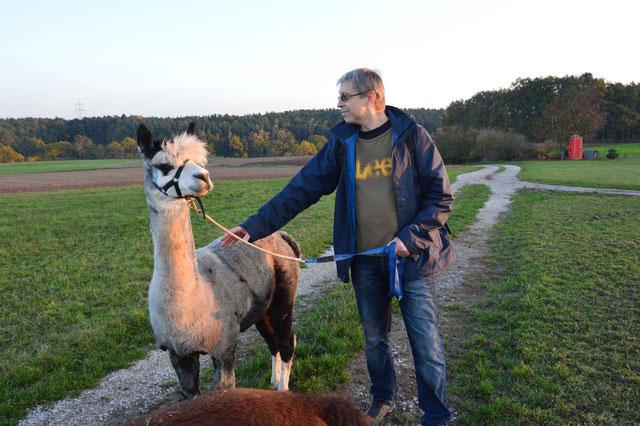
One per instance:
[(200, 300), (253, 407)]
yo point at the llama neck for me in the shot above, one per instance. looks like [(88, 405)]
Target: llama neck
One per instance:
[(174, 249)]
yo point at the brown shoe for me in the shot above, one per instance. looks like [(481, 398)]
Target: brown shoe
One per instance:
[(379, 409)]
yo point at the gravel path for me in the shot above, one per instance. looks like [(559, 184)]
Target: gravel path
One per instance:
[(151, 381), (472, 247)]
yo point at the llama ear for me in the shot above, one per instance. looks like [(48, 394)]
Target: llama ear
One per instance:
[(145, 140), (191, 130)]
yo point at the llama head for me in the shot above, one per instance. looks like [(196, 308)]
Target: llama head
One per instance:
[(174, 167)]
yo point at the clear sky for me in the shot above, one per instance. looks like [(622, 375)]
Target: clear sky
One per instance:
[(177, 58)]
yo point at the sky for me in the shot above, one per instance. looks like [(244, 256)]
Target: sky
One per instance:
[(184, 58)]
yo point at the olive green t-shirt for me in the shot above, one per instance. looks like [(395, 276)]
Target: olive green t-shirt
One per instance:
[(376, 214)]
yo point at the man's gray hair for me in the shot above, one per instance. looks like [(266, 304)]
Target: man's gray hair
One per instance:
[(365, 80)]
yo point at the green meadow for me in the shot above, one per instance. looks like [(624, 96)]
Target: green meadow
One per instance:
[(330, 335), (76, 267), (550, 335), (64, 166), (555, 335), (623, 173), (627, 150), (80, 165), (455, 171)]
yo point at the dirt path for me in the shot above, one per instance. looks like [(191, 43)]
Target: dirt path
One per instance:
[(151, 382), (472, 248)]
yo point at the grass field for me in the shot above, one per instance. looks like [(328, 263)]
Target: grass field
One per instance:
[(455, 171), (64, 166), (628, 150), (330, 335), (79, 165), (556, 337), (75, 275), (619, 174), (76, 270)]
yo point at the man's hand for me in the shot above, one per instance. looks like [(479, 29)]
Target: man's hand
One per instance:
[(228, 240), (401, 249)]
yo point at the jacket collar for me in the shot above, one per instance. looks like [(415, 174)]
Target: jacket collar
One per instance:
[(401, 122)]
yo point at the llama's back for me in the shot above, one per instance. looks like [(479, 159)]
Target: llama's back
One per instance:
[(240, 263), (239, 276), (247, 279)]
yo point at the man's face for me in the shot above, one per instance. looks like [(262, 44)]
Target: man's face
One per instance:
[(355, 108)]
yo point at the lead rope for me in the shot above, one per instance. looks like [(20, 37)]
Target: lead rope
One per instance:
[(200, 210), (396, 265)]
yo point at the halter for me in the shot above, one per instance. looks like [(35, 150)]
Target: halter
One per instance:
[(174, 182)]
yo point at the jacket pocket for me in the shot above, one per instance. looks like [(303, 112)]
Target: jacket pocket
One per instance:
[(435, 238), (429, 259)]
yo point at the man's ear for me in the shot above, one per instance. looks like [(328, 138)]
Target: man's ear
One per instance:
[(372, 98)]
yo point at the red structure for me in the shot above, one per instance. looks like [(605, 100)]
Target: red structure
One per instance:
[(575, 147)]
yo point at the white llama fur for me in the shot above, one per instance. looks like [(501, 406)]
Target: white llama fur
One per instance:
[(199, 300), (181, 148)]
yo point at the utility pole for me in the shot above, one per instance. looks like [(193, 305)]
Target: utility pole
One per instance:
[(80, 110)]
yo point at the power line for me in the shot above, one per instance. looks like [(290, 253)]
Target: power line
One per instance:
[(80, 110)]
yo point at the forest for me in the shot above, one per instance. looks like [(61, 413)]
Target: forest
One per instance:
[(603, 111), (531, 119), (534, 118), (300, 132)]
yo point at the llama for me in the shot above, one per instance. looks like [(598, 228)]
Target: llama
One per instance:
[(240, 407), (200, 300)]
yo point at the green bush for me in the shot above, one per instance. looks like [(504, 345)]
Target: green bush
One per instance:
[(454, 143), (497, 145), (612, 154), (460, 145)]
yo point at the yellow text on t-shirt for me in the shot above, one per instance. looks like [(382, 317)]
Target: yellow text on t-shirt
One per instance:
[(373, 169)]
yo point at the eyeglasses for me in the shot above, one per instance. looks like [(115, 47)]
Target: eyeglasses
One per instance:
[(344, 97)]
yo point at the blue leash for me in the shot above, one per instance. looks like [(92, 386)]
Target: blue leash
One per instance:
[(396, 265)]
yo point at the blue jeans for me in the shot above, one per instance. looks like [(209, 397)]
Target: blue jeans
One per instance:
[(420, 313)]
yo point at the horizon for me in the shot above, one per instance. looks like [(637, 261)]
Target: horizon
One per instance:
[(166, 60), (292, 110), (199, 116)]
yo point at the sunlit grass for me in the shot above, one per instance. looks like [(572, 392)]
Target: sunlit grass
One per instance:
[(628, 150), (76, 267), (619, 174), (556, 336), (64, 166), (330, 335), (455, 171)]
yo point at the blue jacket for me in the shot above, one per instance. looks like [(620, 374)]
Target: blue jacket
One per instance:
[(423, 195)]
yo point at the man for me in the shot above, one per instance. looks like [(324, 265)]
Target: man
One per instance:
[(392, 187)]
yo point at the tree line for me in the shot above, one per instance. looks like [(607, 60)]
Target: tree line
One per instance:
[(547, 111), (300, 132), (532, 119)]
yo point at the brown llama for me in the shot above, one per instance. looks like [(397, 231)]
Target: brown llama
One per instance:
[(200, 300), (253, 407)]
